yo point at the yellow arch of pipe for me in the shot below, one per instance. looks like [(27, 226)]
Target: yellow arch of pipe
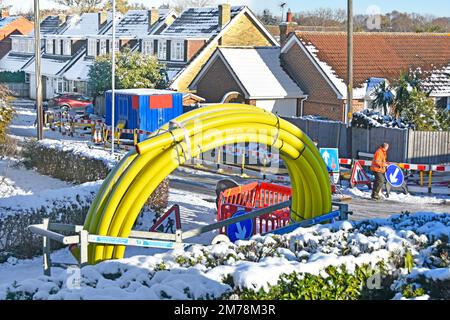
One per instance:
[(128, 186)]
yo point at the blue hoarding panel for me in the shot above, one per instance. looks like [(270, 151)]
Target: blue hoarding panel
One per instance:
[(142, 116)]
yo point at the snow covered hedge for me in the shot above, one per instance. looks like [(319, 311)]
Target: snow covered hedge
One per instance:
[(405, 256), (78, 164), (62, 164), (67, 205)]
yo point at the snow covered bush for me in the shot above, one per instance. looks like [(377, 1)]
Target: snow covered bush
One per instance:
[(402, 257), (68, 205), (6, 112)]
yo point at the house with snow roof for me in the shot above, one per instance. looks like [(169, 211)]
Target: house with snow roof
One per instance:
[(133, 25), (10, 26), (316, 61), (249, 75), (188, 43), (22, 45)]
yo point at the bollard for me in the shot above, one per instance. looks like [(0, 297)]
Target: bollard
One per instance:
[(135, 136), (243, 175), (219, 152), (421, 178), (119, 131), (430, 177)]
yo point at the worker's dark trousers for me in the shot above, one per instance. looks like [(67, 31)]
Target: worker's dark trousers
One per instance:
[(378, 184)]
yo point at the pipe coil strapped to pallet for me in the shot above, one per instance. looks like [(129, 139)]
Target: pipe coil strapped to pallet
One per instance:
[(129, 185)]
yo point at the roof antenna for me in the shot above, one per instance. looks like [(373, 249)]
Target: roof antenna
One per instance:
[(282, 5)]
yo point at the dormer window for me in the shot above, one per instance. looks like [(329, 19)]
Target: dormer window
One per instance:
[(92, 47), (177, 51), (117, 45), (30, 46), (67, 47), (15, 45), (49, 46), (162, 49), (147, 47), (57, 46), (103, 46)]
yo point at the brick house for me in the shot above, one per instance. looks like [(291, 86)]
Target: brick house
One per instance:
[(250, 75), (9, 26), (317, 62), (192, 39)]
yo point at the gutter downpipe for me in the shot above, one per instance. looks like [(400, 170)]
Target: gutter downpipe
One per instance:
[(301, 104)]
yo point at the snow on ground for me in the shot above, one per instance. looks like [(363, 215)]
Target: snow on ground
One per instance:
[(365, 193), (16, 180), (200, 271)]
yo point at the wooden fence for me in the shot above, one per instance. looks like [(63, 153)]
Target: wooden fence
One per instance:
[(419, 147)]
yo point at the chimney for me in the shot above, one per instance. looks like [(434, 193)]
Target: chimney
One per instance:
[(4, 13), (289, 16), (224, 15), (62, 18), (286, 27), (153, 17), (102, 18)]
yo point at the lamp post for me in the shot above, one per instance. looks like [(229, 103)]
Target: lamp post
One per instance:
[(348, 105), (113, 75), (37, 70)]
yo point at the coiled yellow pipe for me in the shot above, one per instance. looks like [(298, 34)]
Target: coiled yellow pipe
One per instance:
[(127, 187)]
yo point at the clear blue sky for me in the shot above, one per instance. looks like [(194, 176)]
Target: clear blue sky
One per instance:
[(436, 7)]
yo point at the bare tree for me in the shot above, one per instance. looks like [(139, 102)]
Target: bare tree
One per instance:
[(180, 5), (81, 5)]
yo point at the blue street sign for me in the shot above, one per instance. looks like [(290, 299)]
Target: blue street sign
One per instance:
[(242, 230), (394, 175), (331, 158)]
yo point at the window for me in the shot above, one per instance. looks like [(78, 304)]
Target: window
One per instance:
[(49, 46), (58, 46), (67, 47), (23, 45), (177, 51), (15, 45), (162, 49), (103, 46), (92, 47), (147, 47), (30, 46)]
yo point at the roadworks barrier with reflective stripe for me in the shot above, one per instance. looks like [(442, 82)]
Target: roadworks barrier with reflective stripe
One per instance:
[(129, 185)]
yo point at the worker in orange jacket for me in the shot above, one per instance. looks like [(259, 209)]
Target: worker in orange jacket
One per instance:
[(379, 165)]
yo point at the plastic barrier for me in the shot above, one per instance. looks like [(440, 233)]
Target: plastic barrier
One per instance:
[(254, 196), (129, 185)]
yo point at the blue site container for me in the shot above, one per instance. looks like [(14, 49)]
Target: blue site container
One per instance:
[(144, 109)]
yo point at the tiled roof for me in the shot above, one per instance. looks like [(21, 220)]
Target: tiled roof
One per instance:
[(198, 22), (438, 83), (50, 24), (135, 22), (86, 24), (381, 55), (5, 21)]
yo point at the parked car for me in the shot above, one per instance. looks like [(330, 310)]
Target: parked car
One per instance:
[(71, 102)]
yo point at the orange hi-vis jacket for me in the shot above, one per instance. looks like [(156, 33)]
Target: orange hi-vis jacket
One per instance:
[(379, 162)]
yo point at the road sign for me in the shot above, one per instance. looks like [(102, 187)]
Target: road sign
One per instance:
[(242, 230), (331, 158), (394, 175), (169, 222), (358, 175)]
